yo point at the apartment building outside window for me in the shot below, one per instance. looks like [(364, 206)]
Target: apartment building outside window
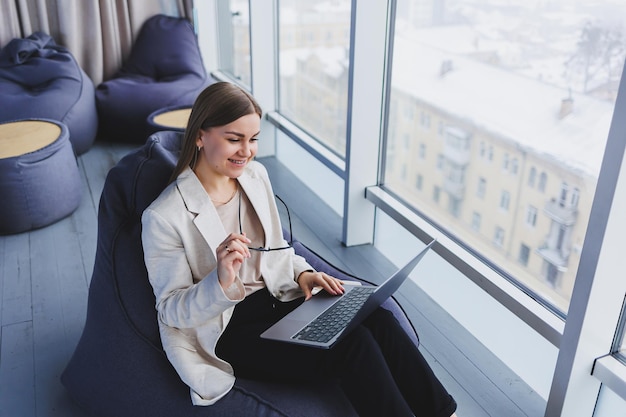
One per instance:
[(314, 51), (503, 95), (235, 59)]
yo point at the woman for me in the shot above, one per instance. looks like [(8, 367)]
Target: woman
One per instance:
[(217, 289)]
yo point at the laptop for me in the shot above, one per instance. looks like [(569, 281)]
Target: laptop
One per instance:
[(324, 319)]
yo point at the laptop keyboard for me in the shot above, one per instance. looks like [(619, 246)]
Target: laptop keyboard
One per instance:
[(336, 318)]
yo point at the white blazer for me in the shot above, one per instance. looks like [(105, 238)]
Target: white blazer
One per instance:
[(181, 230)]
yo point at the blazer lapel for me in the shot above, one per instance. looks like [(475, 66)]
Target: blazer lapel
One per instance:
[(256, 192), (198, 203), (206, 218)]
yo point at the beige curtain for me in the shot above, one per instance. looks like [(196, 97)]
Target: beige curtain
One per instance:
[(99, 33)]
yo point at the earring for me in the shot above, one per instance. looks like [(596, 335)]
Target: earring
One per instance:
[(194, 159)]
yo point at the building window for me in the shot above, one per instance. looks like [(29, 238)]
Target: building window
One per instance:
[(476, 221), (425, 120), (531, 216), (409, 112), (419, 182), (454, 206), (436, 194), (543, 181), (563, 195), (514, 166), (422, 151), (441, 162), (498, 237), (575, 197), (532, 177), (482, 187), (505, 162), (505, 200), (551, 274), (524, 254)]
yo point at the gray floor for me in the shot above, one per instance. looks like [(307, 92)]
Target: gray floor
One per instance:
[(44, 277)]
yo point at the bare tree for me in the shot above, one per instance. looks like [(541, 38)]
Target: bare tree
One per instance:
[(598, 57)]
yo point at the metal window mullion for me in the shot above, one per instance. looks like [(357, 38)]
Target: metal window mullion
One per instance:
[(368, 49), (206, 26), (264, 67), (599, 288)]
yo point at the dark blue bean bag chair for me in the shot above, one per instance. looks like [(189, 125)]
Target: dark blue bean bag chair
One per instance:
[(164, 69), (119, 368), (41, 80), (39, 187)]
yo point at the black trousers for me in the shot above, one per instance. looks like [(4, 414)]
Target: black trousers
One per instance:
[(378, 367)]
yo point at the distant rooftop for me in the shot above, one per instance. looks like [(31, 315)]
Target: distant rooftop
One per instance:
[(334, 60), (510, 106)]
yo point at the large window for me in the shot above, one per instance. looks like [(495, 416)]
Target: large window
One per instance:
[(314, 52), (517, 93), (494, 118)]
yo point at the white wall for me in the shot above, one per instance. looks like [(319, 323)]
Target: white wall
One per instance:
[(609, 404)]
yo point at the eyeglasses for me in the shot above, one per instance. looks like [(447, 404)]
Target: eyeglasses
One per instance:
[(262, 249)]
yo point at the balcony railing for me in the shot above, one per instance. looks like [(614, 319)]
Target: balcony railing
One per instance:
[(561, 213), (454, 188), (555, 256)]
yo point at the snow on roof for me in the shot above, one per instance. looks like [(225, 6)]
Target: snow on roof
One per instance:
[(322, 13), (510, 106), (334, 59)]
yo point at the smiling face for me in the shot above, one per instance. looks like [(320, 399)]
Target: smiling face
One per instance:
[(226, 150)]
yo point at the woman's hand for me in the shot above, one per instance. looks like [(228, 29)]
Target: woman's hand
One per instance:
[(230, 255), (309, 280)]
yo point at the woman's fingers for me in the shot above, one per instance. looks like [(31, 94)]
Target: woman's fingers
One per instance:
[(333, 283), (237, 243), (309, 280), (231, 253)]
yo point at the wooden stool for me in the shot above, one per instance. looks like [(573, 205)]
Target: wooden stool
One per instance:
[(170, 118), (39, 178)]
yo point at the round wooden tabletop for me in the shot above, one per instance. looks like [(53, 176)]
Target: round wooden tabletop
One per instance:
[(173, 119), (24, 136)]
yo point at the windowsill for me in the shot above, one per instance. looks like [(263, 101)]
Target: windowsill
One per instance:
[(611, 373), (543, 321)]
